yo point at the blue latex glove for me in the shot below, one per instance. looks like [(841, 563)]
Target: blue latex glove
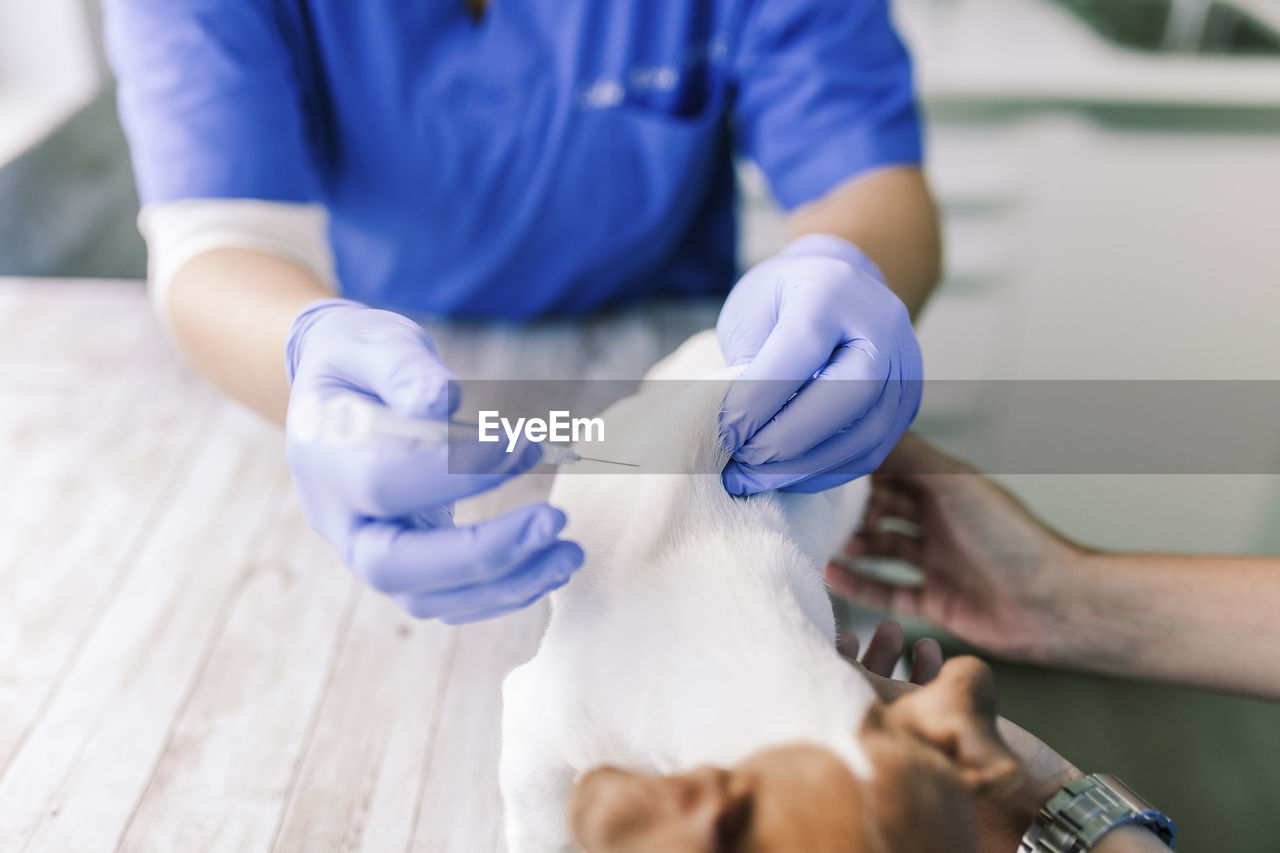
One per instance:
[(388, 506), (816, 312)]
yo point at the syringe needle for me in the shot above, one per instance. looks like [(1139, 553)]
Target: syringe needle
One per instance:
[(606, 461)]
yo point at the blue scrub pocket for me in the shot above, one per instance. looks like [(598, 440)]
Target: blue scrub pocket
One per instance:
[(640, 177), (651, 157), (665, 90)]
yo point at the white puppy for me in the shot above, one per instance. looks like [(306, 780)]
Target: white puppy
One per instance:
[(698, 633)]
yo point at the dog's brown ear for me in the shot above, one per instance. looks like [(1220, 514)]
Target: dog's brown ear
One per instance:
[(956, 715), (617, 811)]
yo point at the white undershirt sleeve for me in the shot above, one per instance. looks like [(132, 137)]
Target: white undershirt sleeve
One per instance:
[(177, 231)]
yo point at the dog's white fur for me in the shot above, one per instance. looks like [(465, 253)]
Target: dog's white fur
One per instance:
[(698, 631)]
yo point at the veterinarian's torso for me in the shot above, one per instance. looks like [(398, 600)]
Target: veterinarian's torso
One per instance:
[(557, 155)]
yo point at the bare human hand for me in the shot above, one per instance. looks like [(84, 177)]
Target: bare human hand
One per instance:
[(885, 649), (991, 569)]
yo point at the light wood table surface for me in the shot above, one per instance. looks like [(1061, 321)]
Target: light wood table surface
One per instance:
[(185, 665)]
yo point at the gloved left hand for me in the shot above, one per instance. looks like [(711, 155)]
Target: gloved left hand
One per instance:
[(833, 369)]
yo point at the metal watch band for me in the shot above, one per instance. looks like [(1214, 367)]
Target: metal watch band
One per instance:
[(1081, 813)]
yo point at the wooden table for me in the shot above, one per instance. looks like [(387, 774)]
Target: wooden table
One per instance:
[(183, 663)]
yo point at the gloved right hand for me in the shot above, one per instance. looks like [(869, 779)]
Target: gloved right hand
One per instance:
[(388, 506)]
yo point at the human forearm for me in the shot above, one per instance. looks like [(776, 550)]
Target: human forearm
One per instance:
[(1003, 818), (1130, 839), (891, 216), (230, 311), (1203, 621), (1000, 579)]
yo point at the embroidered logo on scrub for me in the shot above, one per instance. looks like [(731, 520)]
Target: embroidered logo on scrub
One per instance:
[(640, 83)]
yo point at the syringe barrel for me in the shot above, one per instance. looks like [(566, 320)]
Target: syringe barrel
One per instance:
[(558, 454)]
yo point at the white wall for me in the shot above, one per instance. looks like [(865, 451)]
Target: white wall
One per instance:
[(1086, 239), (49, 66)]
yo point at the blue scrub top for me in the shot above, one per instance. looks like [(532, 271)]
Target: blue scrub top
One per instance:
[(558, 156)]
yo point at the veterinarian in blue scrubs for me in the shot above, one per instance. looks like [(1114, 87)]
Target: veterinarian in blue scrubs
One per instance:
[(314, 170)]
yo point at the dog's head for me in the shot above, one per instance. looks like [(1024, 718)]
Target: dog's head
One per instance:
[(933, 750)]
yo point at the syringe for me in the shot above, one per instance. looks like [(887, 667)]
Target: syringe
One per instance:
[(346, 420)]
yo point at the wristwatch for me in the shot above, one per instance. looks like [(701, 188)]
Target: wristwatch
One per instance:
[(1081, 813)]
